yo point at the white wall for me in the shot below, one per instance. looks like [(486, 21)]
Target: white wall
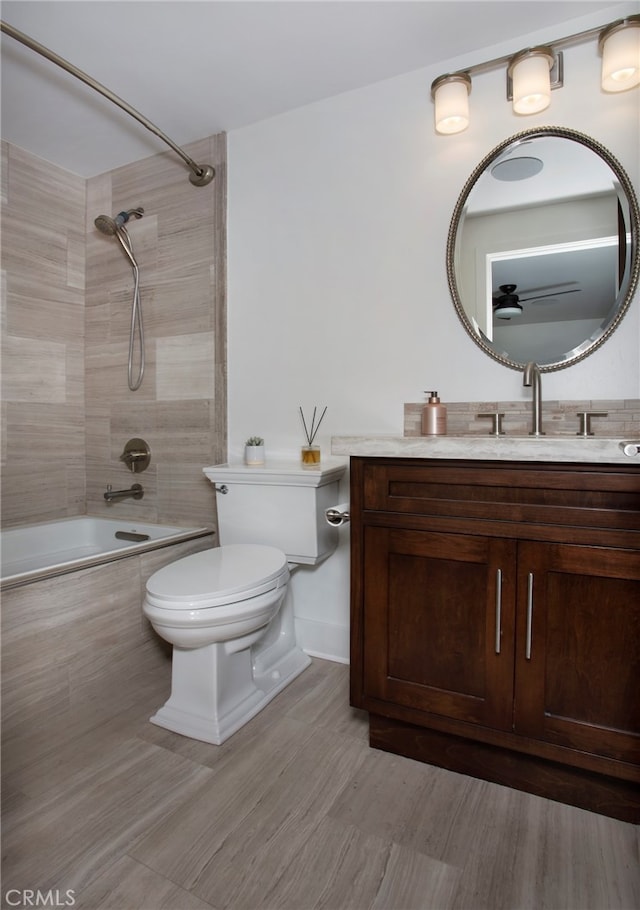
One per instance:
[(337, 292)]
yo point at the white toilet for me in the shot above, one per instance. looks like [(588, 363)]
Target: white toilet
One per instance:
[(227, 611)]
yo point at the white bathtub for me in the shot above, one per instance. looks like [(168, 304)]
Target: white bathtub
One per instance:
[(57, 547)]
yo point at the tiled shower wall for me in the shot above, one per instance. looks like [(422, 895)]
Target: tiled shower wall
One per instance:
[(67, 409), (43, 246), (180, 409)]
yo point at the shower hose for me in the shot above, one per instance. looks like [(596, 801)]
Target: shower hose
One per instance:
[(136, 312)]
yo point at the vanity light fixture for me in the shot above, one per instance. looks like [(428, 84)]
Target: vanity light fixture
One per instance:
[(529, 72), (450, 95), (534, 72), (620, 48)]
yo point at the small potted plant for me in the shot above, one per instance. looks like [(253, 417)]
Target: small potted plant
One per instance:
[(254, 450)]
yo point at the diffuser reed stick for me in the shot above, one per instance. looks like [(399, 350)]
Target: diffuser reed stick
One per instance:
[(314, 427), (310, 454)]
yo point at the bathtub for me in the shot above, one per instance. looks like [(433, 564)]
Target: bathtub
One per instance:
[(59, 547)]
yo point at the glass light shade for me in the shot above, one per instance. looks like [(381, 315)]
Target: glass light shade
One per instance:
[(507, 311), (530, 74), (451, 99), (621, 57)]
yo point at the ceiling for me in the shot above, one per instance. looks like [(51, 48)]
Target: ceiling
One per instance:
[(197, 68)]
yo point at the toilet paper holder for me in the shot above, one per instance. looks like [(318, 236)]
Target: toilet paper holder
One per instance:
[(338, 515)]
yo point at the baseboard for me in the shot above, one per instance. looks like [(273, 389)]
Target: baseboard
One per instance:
[(324, 640)]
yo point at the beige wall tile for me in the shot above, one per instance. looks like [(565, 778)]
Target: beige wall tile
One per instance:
[(185, 367), (33, 370), (47, 312), (3, 301), (43, 340), (39, 494), (4, 171), (75, 259)]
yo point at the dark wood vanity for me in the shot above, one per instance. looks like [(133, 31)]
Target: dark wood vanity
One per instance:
[(495, 621)]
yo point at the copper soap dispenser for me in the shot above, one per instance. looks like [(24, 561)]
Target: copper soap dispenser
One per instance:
[(434, 416)]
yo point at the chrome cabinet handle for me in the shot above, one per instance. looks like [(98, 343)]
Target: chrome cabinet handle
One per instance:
[(529, 616), (498, 609)]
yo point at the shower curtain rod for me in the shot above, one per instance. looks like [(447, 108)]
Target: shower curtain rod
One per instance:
[(201, 174)]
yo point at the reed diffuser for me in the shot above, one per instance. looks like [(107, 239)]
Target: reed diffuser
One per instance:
[(310, 454)]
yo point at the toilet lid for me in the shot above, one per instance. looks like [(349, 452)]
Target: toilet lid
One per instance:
[(219, 574)]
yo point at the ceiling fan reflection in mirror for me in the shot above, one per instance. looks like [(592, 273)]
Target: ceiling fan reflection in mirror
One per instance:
[(508, 304)]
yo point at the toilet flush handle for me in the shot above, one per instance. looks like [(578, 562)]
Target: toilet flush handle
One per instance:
[(223, 488)]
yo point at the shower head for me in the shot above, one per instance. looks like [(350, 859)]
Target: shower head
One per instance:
[(109, 226)]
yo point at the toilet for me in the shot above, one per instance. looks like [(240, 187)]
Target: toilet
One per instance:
[(228, 611)]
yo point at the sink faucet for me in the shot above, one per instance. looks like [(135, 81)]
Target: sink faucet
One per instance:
[(531, 377)]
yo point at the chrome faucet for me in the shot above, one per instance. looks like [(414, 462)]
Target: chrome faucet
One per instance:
[(531, 377)]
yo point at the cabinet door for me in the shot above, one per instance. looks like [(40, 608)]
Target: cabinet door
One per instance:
[(439, 624), (578, 648)]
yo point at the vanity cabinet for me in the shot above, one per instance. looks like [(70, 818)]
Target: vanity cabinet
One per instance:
[(496, 621)]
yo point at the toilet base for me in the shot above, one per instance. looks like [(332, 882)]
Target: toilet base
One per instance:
[(273, 680), (214, 693)]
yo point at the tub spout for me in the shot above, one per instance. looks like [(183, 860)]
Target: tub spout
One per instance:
[(136, 492), (531, 377)]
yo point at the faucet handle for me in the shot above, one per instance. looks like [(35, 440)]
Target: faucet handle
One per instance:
[(496, 426), (136, 455), (585, 421)]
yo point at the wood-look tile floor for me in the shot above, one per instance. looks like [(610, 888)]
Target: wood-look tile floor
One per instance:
[(294, 812)]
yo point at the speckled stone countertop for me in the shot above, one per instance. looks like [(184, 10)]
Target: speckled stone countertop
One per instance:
[(591, 449)]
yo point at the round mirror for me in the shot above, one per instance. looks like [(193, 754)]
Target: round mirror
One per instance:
[(542, 253)]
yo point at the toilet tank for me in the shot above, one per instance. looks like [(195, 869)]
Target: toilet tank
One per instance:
[(280, 504)]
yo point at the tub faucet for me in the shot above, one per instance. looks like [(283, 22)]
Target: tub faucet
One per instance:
[(135, 491), (531, 377)]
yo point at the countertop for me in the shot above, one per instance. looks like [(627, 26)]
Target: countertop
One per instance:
[(594, 449)]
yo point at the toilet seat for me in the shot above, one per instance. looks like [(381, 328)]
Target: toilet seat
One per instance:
[(218, 577)]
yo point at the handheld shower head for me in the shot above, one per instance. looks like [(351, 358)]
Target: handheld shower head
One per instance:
[(109, 226), (106, 225), (115, 227)]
